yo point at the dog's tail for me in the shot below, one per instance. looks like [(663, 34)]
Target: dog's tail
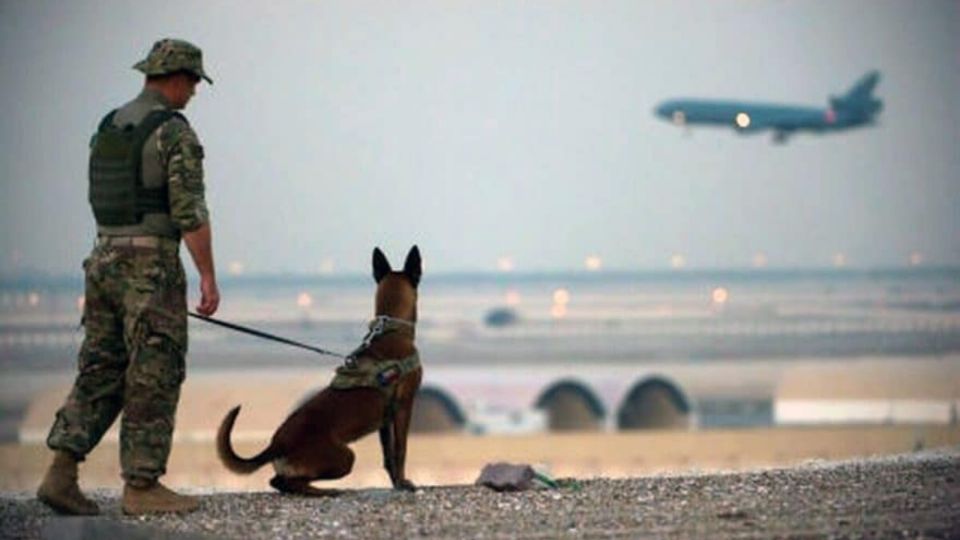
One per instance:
[(230, 458)]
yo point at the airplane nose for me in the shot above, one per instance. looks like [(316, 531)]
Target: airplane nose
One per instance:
[(664, 110)]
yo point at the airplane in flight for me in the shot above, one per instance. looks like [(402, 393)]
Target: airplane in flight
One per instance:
[(856, 108)]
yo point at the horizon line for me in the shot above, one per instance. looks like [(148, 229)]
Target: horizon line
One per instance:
[(39, 278)]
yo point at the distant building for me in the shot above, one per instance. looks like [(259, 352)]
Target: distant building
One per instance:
[(870, 391)]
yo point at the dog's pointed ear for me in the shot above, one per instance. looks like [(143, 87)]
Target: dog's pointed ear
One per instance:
[(413, 267), (381, 266)]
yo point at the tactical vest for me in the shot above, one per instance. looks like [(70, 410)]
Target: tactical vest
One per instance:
[(117, 193), (382, 375), (373, 373)]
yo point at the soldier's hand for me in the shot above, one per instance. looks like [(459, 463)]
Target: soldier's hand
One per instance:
[(209, 296)]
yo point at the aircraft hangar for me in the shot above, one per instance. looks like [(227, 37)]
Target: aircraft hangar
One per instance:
[(551, 398)]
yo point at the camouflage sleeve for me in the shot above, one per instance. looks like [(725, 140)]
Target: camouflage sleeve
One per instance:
[(182, 157)]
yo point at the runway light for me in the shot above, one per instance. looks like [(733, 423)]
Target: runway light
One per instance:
[(719, 296), (304, 300), (679, 118), (561, 296), (593, 263), (916, 258), (677, 261), (505, 264), (513, 298), (558, 311), (235, 268), (839, 260), (33, 299), (326, 266), (743, 120), (759, 260)]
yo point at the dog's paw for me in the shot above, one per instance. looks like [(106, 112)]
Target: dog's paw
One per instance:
[(405, 485)]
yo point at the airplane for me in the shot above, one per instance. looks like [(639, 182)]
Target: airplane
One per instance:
[(856, 108)]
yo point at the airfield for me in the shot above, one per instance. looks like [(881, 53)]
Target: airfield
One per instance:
[(455, 456), (640, 377)]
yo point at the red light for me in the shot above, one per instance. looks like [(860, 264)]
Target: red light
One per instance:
[(830, 116)]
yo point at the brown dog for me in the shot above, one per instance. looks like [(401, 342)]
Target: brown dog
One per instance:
[(373, 390)]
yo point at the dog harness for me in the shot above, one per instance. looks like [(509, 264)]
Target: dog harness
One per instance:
[(363, 369)]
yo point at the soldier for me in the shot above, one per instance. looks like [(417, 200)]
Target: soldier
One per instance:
[(146, 190)]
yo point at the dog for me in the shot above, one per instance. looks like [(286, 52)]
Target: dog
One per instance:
[(373, 390)]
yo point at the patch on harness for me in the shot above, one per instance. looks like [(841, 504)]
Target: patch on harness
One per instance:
[(388, 376)]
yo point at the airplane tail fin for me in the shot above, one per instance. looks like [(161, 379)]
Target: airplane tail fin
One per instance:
[(863, 89), (860, 97)]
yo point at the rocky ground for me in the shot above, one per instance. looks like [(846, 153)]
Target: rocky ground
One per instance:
[(911, 496)]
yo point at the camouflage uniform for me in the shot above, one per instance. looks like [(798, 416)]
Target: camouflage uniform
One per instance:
[(135, 313)]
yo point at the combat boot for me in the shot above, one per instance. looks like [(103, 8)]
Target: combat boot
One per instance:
[(60, 491), (155, 498)]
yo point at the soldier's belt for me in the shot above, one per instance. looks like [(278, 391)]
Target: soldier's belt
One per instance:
[(136, 241)]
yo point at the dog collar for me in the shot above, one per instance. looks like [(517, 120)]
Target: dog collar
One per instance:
[(380, 326)]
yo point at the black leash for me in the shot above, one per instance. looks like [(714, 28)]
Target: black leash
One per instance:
[(264, 335)]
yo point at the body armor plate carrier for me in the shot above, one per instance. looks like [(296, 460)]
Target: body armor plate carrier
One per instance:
[(117, 193)]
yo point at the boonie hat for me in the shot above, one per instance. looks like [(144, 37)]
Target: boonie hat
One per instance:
[(173, 55)]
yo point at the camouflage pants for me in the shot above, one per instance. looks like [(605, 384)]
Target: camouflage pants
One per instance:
[(131, 360)]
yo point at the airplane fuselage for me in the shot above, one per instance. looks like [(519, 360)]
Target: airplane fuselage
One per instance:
[(752, 117)]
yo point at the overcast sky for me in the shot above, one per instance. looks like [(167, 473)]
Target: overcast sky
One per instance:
[(489, 129)]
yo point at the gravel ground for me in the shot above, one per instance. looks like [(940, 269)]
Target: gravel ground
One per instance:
[(912, 496)]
